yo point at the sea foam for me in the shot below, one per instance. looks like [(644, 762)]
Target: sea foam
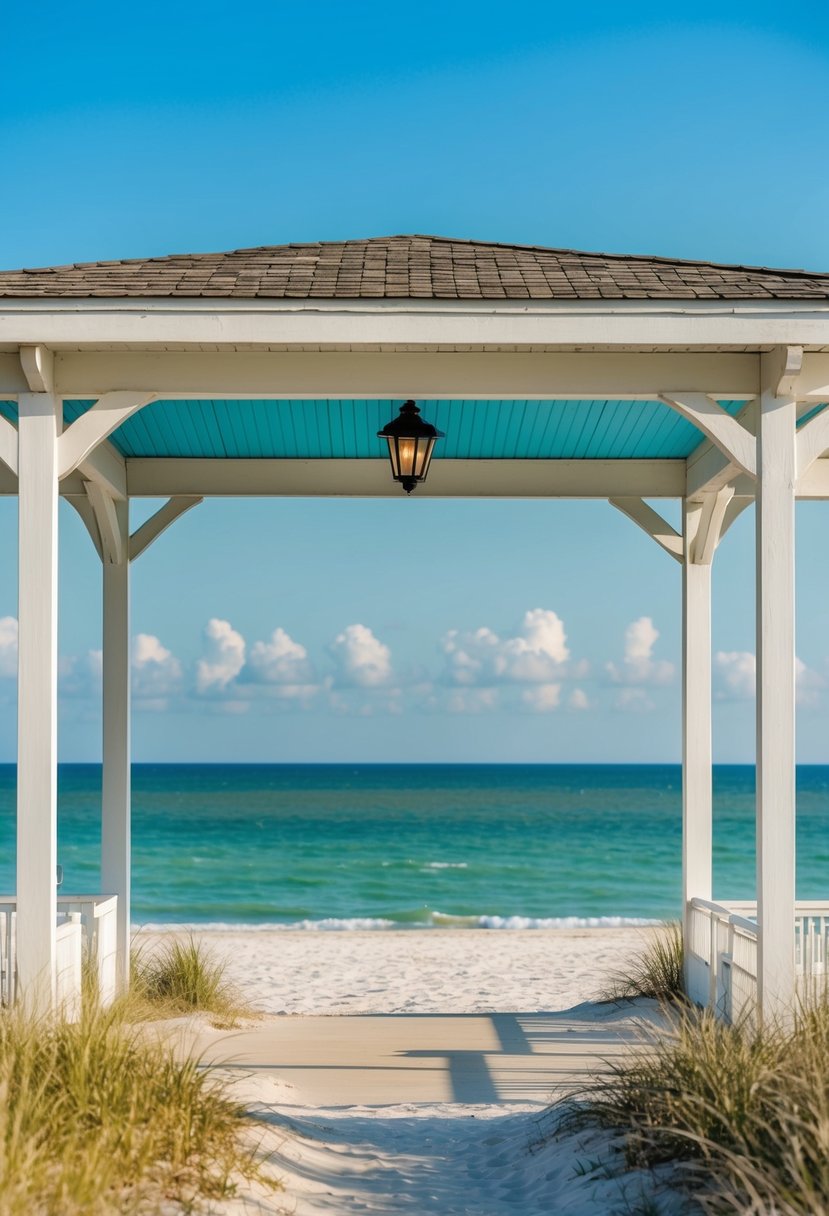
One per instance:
[(432, 920)]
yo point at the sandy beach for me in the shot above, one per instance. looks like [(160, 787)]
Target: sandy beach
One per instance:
[(411, 1071), (418, 970)]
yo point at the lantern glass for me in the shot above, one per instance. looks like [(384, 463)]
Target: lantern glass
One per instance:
[(411, 442)]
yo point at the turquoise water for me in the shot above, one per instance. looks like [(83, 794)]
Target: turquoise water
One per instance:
[(336, 845)]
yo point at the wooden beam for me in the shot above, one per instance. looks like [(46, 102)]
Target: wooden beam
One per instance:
[(106, 467), (115, 784), (709, 526), (725, 432), (37, 695), (620, 324), (109, 526), (38, 366), (482, 375), (224, 477), (697, 785), (152, 528), (652, 523), (777, 454), (86, 433), (812, 441)]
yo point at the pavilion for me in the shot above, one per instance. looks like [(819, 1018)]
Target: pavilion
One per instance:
[(552, 373)]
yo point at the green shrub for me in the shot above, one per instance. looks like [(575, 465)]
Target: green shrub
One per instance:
[(181, 977), (657, 972), (97, 1118), (741, 1113)]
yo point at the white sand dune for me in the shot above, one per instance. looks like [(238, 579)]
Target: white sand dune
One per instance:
[(435, 1101)]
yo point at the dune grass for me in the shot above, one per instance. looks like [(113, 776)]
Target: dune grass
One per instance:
[(657, 972), (98, 1118), (742, 1115), (181, 977)]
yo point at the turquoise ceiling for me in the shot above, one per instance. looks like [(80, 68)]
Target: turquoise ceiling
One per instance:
[(346, 429)]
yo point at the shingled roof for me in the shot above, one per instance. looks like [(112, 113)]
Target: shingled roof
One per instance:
[(413, 267)]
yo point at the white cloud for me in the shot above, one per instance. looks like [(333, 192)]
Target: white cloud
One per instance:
[(537, 654), (156, 672), (361, 659), (224, 656), (8, 647), (639, 666), (542, 698), (280, 661), (735, 673), (578, 699), (735, 678), (808, 684)]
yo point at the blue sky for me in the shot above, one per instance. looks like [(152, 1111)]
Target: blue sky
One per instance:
[(692, 132)]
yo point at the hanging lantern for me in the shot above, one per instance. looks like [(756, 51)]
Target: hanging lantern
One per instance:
[(411, 441)]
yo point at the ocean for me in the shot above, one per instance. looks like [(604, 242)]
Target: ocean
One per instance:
[(381, 846)]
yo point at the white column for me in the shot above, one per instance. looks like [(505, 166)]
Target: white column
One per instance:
[(39, 427), (776, 461), (115, 808), (697, 797)]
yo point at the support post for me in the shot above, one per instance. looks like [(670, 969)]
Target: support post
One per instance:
[(38, 429), (115, 804), (697, 794), (776, 458)]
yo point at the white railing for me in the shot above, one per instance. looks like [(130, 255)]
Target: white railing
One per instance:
[(99, 921), (722, 957), (8, 953), (86, 925), (722, 954)]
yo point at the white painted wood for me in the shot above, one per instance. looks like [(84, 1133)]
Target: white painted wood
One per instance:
[(709, 469), (37, 698), (83, 506), (8, 445), (116, 789), (733, 511), (38, 366), (724, 431), (622, 324), (697, 796), (105, 466), (108, 523), (652, 523), (372, 479), (812, 441), (709, 525), (776, 447), (97, 424), (152, 528), (788, 361), (440, 374)]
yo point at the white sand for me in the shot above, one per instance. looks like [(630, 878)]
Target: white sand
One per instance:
[(419, 970), (383, 1115)]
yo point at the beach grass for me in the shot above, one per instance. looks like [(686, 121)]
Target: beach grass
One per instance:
[(97, 1118), (739, 1114), (657, 972), (181, 976)]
